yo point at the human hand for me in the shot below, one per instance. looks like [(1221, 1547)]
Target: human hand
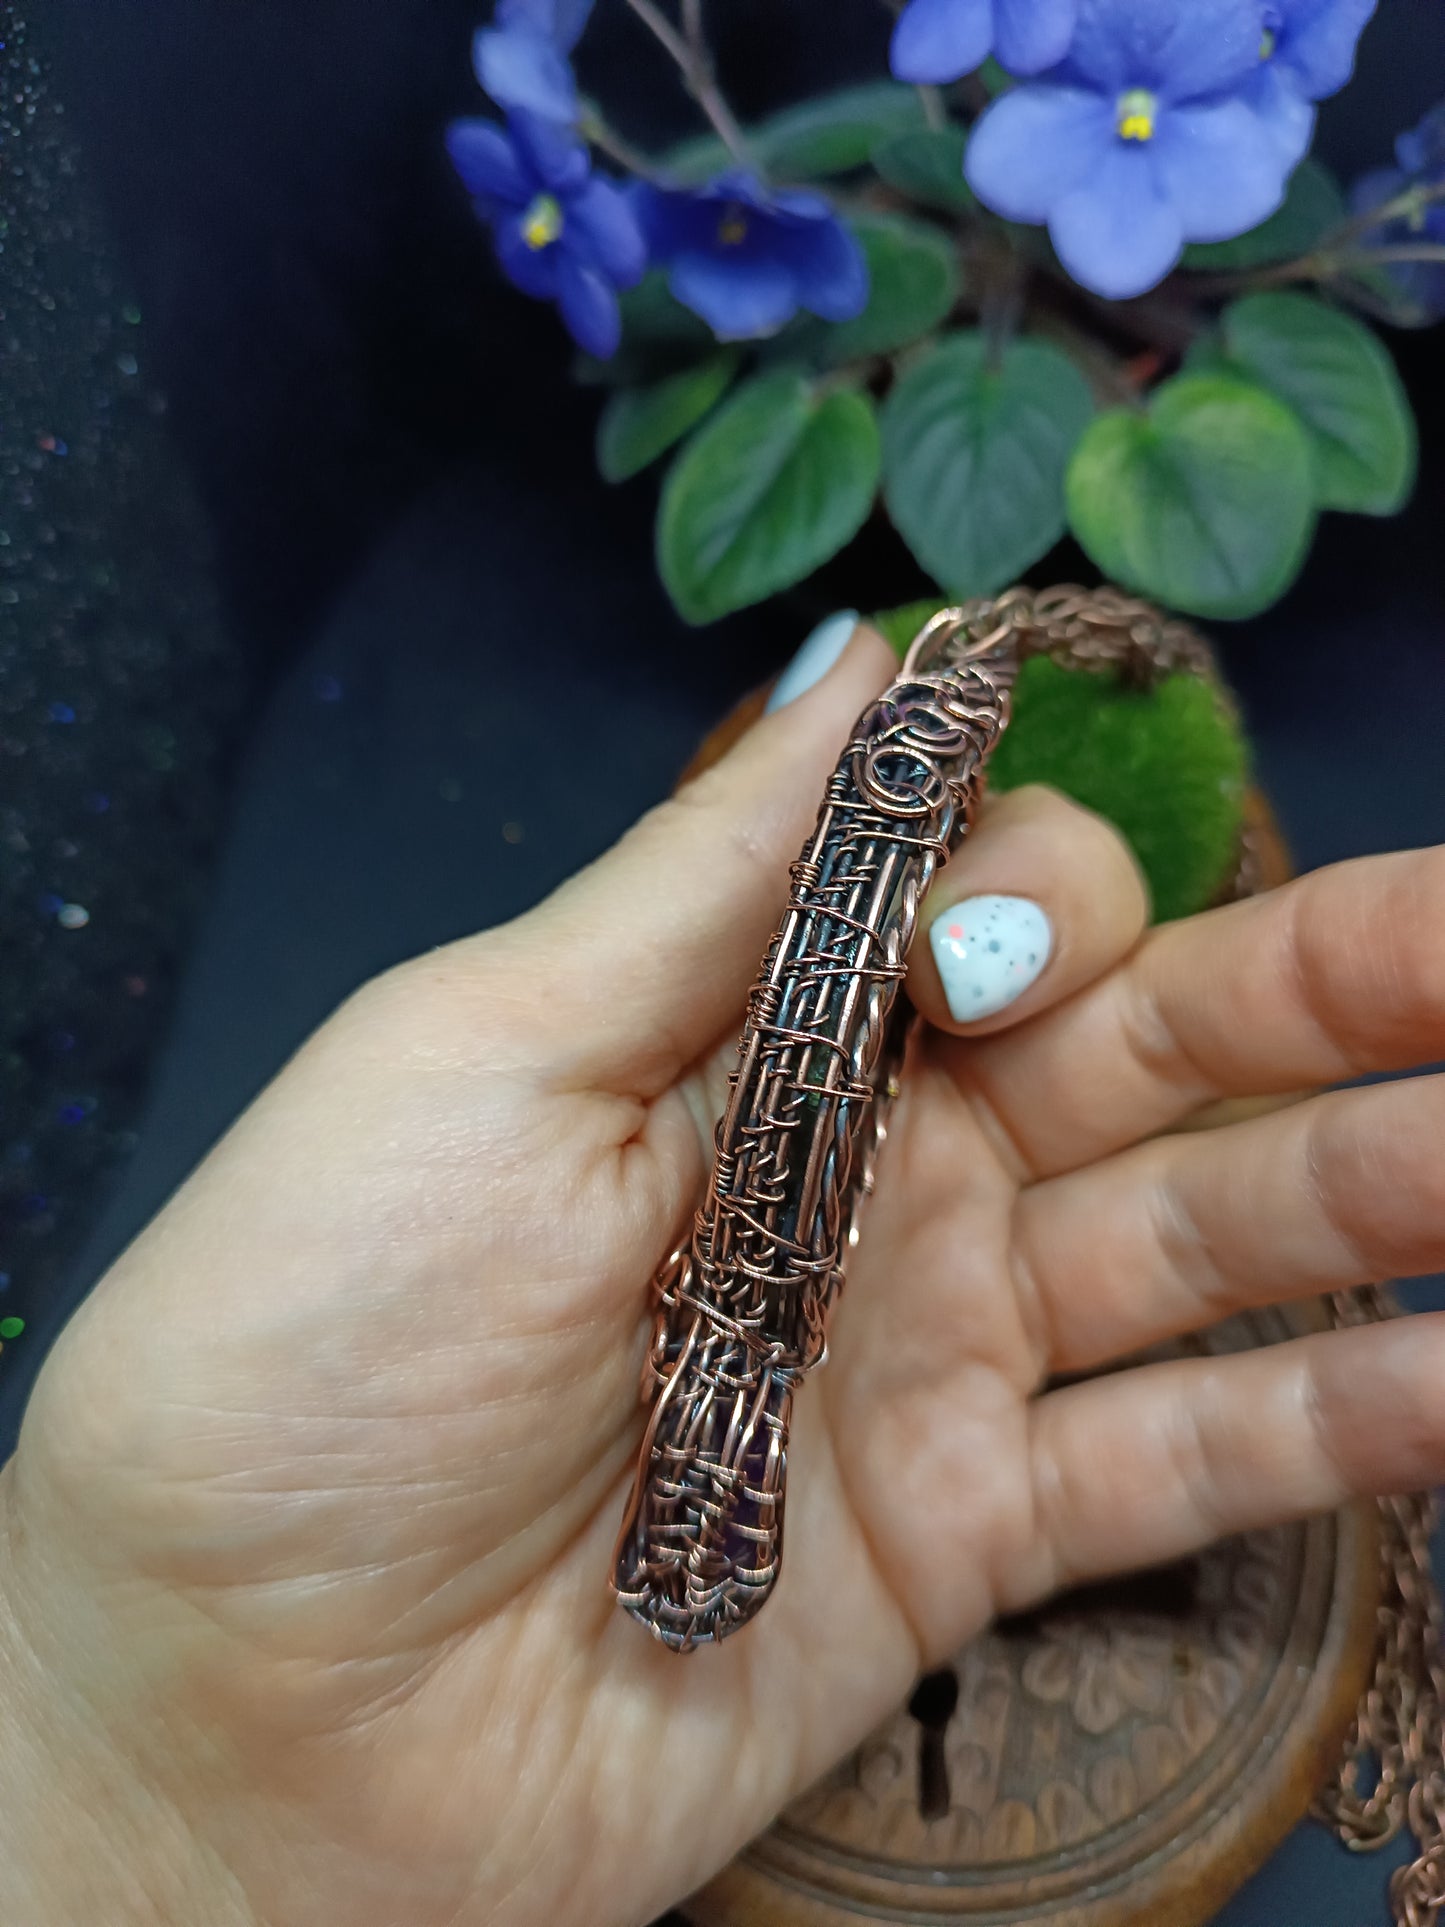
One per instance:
[(304, 1607)]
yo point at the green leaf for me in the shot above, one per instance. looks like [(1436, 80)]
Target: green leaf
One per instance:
[(659, 336), (1393, 300), (1338, 377), (639, 424), (1313, 204), (974, 456), (695, 159), (1167, 766), (652, 315), (830, 135), (764, 493), (912, 285), (1205, 503), (837, 132), (926, 164)]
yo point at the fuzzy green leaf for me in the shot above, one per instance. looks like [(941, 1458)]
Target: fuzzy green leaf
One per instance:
[(836, 132), (926, 164), (1205, 503), (974, 456), (652, 317), (639, 424), (694, 159), (1313, 204), (659, 336), (830, 135), (912, 285), (1338, 377), (764, 493)]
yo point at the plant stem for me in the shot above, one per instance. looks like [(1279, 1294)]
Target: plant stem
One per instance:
[(689, 50), (935, 114), (1002, 277), (1106, 374), (1405, 251), (1410, 200), (593, 127), (1155, 319), (935, 108), (1337, 251), (1324, 264)]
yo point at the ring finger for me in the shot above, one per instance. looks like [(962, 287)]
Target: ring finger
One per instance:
[(1147, 1465)]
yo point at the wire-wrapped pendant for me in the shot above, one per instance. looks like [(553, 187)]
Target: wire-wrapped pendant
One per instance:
[(742, 1311)]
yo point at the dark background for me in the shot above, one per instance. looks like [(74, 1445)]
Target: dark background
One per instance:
[(411, 553)]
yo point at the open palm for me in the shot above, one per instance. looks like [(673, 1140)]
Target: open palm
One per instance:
[(313, 1508)]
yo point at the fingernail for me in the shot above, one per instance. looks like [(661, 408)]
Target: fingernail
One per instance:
[(988, 951), (815, 658)]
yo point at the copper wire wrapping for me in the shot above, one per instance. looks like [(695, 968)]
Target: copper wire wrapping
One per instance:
[(742, 1310)]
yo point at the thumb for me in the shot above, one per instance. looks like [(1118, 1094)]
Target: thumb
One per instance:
[(644, 957)]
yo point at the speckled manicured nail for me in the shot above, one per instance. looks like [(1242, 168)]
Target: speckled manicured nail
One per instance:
[(988, 951), (816, 657)]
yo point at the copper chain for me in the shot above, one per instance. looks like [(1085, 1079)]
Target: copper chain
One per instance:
[(1399, 1731)]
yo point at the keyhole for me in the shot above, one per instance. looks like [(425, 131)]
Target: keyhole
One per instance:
[(934, 1703)]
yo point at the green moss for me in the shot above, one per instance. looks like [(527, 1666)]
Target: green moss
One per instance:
[(1167, 766)]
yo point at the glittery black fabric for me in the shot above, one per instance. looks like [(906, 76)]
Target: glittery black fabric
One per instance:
[(116, 691)]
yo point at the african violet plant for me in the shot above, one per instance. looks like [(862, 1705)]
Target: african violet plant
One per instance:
[(1071, 268)]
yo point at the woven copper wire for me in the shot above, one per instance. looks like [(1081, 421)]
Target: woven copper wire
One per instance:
[(742, 1310)]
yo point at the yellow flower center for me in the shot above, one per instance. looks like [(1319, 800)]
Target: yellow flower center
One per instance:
[(732, 229), (1134, 111), (542, 222), (1268, 41)]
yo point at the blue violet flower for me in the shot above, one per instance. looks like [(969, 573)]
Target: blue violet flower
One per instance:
[(1306, 52), (936, 41), (1420, 153), (562, 233), (1138, 143), (521, 59), (747, 258)]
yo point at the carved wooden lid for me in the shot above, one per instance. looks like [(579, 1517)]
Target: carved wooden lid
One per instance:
[(1128, 1755)]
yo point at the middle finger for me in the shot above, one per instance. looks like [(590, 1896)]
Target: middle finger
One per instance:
[(1347, 1189)]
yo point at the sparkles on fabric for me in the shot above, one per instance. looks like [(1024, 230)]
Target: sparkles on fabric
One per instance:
[(116, 688)]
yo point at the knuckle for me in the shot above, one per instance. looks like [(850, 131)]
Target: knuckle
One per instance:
[(1376, 1177), (1366, 959), (1150, 1040), (449, 1002), (707, 810)]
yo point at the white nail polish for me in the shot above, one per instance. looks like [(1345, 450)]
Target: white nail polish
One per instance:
[(988, 951), (816, 657)]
